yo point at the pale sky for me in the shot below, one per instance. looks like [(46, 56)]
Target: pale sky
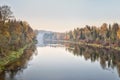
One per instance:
[(64, 15)]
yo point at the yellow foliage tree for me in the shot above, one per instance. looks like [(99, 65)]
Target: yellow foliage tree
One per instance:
[(118, 33)]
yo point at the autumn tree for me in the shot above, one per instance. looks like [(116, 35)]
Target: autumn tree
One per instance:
[(104, 31), (118, 33), (87, 32), (114, 30), (5, 12)]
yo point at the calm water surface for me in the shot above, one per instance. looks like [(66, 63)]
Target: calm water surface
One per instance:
[(69, 62)]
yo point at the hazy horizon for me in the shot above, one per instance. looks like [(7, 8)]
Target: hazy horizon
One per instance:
[(64, 15)]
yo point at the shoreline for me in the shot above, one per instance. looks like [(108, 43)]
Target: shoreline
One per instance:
[(87, 44), (12, 57)]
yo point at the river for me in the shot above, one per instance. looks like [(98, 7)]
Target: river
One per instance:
[(65, 62)]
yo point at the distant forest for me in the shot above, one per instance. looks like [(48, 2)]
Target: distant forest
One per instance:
[(106, 35)]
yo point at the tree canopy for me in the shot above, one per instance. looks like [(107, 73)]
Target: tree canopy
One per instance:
[(5, 12)]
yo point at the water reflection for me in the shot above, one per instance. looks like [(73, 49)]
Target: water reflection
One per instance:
[(50, 43), (19, 65), (108, 58), (56, 63)]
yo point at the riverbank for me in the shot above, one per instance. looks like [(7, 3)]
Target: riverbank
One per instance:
[(87, 44), (12, 57)]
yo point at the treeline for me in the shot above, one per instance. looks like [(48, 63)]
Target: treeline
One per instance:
[(107, 35), (13, 34)]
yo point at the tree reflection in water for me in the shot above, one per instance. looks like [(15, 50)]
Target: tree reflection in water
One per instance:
[(19, 65), (108, 58)]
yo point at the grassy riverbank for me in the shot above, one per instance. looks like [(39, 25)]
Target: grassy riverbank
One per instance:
[(12, 57), (101, 46)]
